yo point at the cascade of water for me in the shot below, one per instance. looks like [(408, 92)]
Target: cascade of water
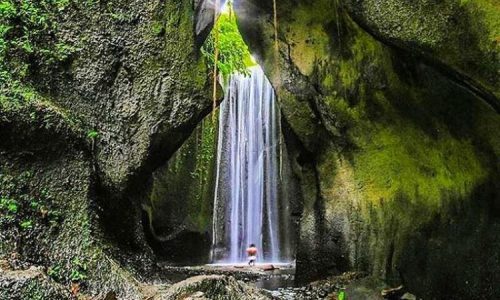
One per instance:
[(247, 172)]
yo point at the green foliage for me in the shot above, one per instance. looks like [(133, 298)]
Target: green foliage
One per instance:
[(55, 272), (157, 28), (342, 295), (92, 134), (234, 55), (9, 205), (7, 9), (27, 43), (21, 206), (26, 224), (8, 210), (78, 270)]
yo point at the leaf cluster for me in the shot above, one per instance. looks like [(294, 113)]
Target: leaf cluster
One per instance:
[(234, 55), (28, 40), (22, 207), (78, 270)]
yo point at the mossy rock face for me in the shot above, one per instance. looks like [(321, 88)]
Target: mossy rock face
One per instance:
[(48, 215), (30, 284), (464, 35), (77, 151), (395, 158), (135, 77), (179, 204)]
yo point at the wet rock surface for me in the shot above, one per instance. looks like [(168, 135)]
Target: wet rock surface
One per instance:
[(130, 83), (212, 287), (31, 283), (139, 95), (240, 272), (398, 165), (439, 30), (323, 289), (358, 113)]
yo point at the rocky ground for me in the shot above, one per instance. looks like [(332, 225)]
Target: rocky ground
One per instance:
[(202, 282), (277, 282)]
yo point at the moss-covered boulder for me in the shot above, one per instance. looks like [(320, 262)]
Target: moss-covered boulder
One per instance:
[(398, 160), (94, 95), (212, 287), (179, 204), (30, 284)]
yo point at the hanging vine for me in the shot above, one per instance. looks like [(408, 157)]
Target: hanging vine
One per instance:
[(224, 51), (278, 79), (216, 59), (275, 16)]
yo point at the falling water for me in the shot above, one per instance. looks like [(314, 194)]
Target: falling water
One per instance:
[(247, 173)]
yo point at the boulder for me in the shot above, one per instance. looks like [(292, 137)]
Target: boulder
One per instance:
[(215, 287), (30, 284)]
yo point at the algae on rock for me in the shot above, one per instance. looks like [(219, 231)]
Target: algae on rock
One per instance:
[(395, 158), (136, 81), (179, 203)]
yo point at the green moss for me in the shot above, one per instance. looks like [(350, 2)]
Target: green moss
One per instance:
[(440, 30), (173, 22), (348, 74), (22, 208), (200, 213), (35, 291), (157, 28), (404, 160), (183, 190), (233, 53), (27, 40), (301, 118), (307, 34)]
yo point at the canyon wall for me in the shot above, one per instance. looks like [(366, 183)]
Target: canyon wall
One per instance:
[(395, 141), (100, 95)]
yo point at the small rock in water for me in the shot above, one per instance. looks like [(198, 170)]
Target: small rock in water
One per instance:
[(393, 293), (408, 296), (197, 295), (268, 268), (322, 293)]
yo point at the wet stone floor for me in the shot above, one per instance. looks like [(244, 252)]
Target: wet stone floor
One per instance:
[(277, 280)]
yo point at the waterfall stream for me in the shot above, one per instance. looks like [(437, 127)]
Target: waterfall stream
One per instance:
[(246, 194)]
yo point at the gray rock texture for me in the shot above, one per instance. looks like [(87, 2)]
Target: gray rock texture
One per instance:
[(383, 129), (71, 201), (137, 80), (30, 284), (180, 200), (212, 287)]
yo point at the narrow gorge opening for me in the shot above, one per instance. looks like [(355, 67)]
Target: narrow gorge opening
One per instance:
[(225, 188), (143, 149)]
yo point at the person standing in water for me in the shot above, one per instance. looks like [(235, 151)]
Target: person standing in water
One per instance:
[(252, 254)]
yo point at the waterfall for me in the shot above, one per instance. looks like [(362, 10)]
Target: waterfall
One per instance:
[(246, 194)]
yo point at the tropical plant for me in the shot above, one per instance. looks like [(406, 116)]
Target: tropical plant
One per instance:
[(78, 270), (27, 29), (233, 53)]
